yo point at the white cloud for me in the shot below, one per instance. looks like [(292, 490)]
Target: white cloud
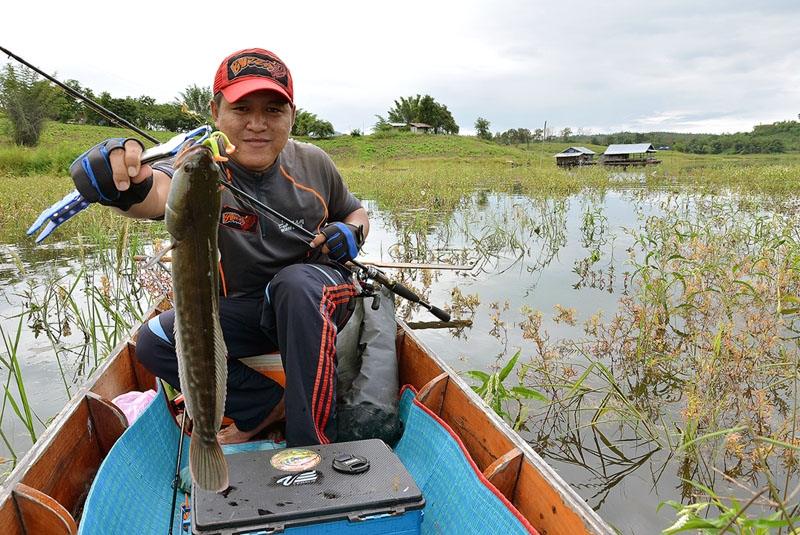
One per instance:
[(711, 66)]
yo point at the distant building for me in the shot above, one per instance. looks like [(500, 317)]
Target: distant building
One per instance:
[(417, 128), (420, 128), (575, 156), (630, 154)]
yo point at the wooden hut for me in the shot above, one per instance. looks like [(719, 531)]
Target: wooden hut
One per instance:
[(417, 128), (633, 154), (575, 156), (420, 128)]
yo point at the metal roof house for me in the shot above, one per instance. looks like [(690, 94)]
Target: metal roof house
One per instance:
[(630, 154), (575, 156), (417, 128)]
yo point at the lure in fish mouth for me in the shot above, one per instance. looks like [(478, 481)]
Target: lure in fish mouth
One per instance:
[(192, 218)]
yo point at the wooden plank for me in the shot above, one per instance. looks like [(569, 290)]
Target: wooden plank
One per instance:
[(9, 518), (66, 467), (415, 366), (107, 420), (118, 375), (538, 501), (503, 473), (41, 513), (144, 378), (432, 394), (476, 429)]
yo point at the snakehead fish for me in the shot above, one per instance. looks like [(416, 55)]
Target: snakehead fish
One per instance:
[(192, 217)]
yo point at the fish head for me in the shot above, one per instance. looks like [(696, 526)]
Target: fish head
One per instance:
[(194, 197), (197, 160)]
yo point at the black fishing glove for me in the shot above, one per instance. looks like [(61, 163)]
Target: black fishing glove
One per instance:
[(343, 240), (91, 172)]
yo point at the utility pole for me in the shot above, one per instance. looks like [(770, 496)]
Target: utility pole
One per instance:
[(544, 136)]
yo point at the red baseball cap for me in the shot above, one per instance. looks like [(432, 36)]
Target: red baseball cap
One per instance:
[(253, 69)]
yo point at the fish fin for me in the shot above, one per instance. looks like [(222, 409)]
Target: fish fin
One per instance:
[(158, 256), (221, 369), (181, 367), (208, 466)]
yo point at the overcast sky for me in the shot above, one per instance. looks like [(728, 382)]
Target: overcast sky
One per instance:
[(693, 66)]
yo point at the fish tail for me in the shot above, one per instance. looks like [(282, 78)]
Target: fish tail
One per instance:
[(208, 466)]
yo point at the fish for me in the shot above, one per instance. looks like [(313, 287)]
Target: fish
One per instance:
[(192, 218)]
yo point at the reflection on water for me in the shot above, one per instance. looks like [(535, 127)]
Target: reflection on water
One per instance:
[(559, 278)]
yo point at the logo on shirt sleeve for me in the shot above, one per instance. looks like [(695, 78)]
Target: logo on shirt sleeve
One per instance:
[(238, 219)]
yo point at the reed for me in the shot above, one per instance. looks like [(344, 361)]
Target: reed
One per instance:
[(83, 312)]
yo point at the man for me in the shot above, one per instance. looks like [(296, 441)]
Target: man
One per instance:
[(277, 292)]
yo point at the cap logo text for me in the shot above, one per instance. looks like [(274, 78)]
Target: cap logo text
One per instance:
[(258, 65)]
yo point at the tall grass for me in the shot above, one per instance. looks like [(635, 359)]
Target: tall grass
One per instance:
[(83, 311)]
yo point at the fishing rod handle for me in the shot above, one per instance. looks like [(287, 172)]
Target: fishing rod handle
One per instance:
[(402, 291), (438, 312)]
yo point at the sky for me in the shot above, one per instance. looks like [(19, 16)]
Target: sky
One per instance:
[(684, 66)]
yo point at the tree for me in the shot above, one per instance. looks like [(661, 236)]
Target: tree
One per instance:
[(197, 101), (27, 102), (566, 132), (308, 124), (68, 108), (381, 125), (170, 117), (482, 128), (515, 136), (419, 109), (406, 110)]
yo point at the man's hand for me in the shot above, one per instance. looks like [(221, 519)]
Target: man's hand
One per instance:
[(111, 173), (340, 241)]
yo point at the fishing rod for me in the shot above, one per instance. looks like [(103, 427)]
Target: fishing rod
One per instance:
[(176, 481), (108, 114)]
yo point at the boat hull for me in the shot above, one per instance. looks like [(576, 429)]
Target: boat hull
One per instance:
[(46, 491)]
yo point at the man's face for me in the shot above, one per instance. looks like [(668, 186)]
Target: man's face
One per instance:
[(258, 124)]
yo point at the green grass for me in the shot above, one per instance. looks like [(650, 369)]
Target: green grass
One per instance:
[(396, 169), (59, 145)]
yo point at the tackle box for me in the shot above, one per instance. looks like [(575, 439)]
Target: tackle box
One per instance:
[(355, 488)]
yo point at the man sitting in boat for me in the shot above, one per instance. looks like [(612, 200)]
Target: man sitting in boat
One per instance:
[(277, 293)]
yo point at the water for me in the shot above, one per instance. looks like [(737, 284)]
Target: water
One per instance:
[(568, 257)]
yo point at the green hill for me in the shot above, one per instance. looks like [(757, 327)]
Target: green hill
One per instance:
[(61, 143)]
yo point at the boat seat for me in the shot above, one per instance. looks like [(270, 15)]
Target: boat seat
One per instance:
[(132, 491), (459, 498)]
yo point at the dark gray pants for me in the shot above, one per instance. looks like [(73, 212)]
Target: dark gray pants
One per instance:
[(300, 313)]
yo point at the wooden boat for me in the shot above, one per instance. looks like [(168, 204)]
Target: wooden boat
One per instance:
[(46, 492)]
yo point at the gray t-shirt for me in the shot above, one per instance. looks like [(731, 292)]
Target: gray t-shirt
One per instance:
[(304, 185)]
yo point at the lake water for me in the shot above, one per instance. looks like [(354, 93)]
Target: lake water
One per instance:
[(567, 257)]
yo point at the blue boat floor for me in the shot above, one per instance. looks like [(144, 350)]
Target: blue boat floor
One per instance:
[(132, 491)]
